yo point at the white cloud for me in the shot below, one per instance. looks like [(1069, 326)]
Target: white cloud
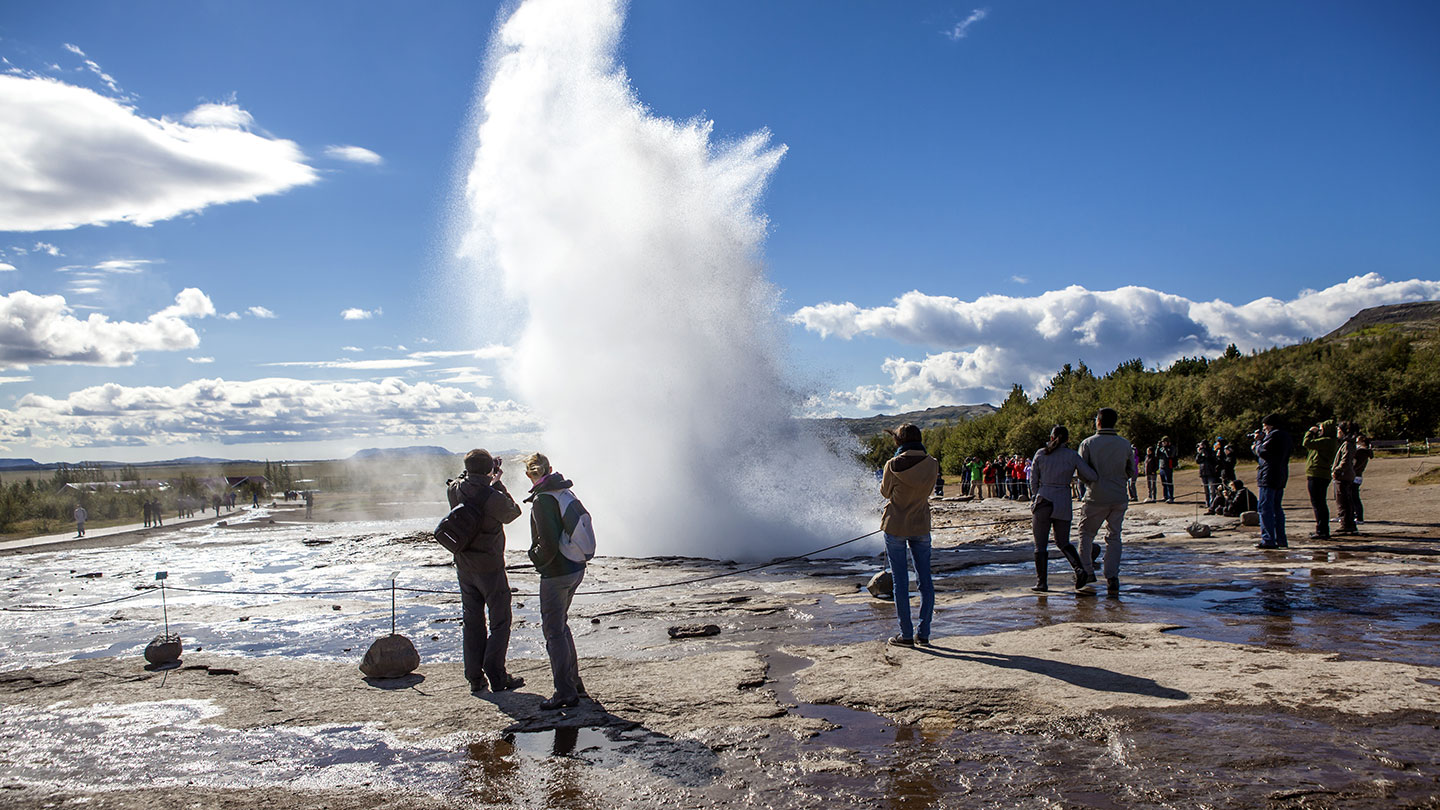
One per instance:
[(465, 375), (75, 49), (357, 314), (962, 28), (362, 365), (351, 349), (39, 330), (4, 380), (264, 410), (230, 316), (354, 154), (201, 360), (985, 345), (493, 351), (124, 266), (46, 247), (228, 116), (6, 267), (1020, 279), (75, 157), (261, 312)]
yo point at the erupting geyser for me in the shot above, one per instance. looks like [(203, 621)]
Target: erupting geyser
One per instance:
[(653, 349)]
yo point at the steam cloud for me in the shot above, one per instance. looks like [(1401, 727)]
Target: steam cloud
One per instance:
[(652, 350)]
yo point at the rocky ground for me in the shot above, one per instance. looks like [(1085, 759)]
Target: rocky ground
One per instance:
[(1220, 676)]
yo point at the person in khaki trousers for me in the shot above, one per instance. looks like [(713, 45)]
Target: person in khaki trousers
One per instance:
[(906, 483)]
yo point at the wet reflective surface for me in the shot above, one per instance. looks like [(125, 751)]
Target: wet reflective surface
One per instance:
[(1376, 598)]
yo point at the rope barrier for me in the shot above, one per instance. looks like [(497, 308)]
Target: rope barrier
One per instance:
[(392, 588)]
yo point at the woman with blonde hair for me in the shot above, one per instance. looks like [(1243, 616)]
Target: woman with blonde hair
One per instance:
[(554, 512)]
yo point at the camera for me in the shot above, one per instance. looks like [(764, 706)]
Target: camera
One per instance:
[(496, 468), (1253, 436)]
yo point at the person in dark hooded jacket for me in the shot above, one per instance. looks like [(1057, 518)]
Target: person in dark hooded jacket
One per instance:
[(481, 571), (1272, 447), (906, 485), (560, 577)]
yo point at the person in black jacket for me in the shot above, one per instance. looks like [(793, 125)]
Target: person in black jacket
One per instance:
[(481, 571), (560, 577), (1272, 446)]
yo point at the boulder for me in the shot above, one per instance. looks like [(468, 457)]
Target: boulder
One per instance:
[(694, 630), (881, 586), (1249, 518), (163, 649), (1198, 529), (390, 657)]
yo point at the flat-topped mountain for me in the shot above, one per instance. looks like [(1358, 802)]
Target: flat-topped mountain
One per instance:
[(926, 419), (1416, 316)]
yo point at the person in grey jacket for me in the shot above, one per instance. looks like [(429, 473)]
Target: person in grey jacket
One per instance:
[(1050, 473), (480, 569), (1113, 460)]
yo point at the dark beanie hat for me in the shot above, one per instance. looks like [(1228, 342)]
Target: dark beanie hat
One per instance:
[(479, 461)]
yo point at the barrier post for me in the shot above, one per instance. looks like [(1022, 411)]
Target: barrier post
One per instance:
[(161, 576)]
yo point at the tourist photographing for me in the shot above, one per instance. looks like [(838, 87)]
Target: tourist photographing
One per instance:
[(554, 514), (1272, 445), (1320, 446), (1051, 470), (905, 485), (1112, 458), (480, 568)]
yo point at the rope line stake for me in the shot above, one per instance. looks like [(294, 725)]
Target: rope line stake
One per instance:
[(161, 576)]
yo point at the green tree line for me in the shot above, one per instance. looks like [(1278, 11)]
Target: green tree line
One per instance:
[(1384, 378)]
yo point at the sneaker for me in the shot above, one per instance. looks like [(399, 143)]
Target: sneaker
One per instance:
[(1088, 589), (1266, 546), (550, 704), (901, 641), (922, 641)]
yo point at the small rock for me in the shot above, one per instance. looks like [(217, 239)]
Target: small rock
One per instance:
[(1249, 518), (390, 657), (334, 607), (881, 586), (244, 619), (694, 630), (594, 621), (95, 575), (163, 649), (1198, 529)]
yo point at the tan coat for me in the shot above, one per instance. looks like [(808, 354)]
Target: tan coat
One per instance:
[(906, 486)]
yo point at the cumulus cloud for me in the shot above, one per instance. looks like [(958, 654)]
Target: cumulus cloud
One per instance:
[(261, 312), (229, 316), (984, 346), (962, 28), (264, 410), (75, 157), (40, 330), (5, 267), (354, 154), (46, 247), (357, 314)]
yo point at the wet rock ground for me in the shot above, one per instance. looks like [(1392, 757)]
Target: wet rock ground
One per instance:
[(1220, 676)]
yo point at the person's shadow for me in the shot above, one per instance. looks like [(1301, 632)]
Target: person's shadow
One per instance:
[(687, 762), (1096, 678)]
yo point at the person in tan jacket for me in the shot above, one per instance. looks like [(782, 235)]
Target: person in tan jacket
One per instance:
[(906, 483)]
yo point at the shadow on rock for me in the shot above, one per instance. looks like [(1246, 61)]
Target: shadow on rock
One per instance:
[(1097, 678), (411, 680), (686, 762)]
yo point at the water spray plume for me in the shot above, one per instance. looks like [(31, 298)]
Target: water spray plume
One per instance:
[(653, 345)]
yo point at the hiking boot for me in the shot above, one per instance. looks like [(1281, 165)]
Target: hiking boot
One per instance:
[(1112, 585), (479, 687), (1267, 546), (922, 641), (511, 682), (550, 704)]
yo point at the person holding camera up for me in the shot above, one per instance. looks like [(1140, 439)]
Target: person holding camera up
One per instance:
[(1343, 471), (1320, 445), (1272, 445), (480, 568)]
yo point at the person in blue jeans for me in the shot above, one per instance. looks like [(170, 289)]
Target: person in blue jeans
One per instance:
[(906, 483), (1272, 447)]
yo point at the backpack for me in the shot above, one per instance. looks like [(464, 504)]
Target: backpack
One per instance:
[(577, 535), (458, 529)]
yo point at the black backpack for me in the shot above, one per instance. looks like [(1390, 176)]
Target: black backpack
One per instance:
[(457, 530)]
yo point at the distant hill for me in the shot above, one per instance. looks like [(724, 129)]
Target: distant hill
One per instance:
[(372, 453), (1417, 316), (926, 419), (19, 464)]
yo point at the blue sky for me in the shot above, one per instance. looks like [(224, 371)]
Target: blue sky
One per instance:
[(971, 195)]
